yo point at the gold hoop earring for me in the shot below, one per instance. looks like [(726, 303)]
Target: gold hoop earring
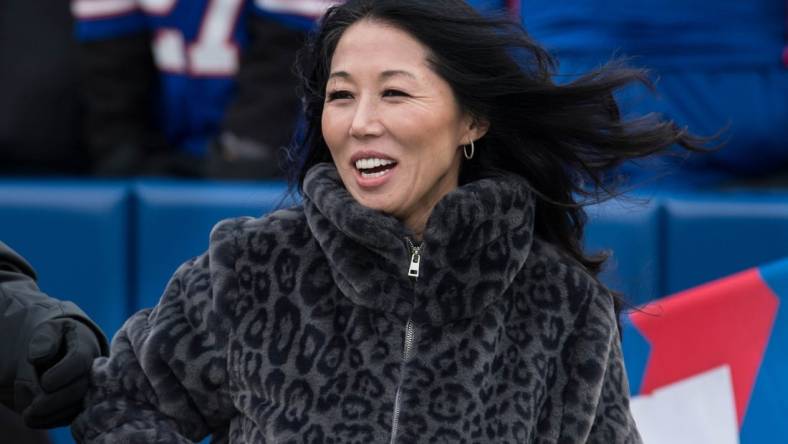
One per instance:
[(465, 151)]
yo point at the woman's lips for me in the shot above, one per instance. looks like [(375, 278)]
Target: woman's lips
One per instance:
[(374, 179)]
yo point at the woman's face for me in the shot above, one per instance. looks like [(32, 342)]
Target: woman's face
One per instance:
[(392, 124)]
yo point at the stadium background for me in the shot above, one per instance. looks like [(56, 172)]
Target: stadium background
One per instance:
[(707, 364)]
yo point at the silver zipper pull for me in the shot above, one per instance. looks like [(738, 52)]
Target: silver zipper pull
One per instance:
[(415, 259)]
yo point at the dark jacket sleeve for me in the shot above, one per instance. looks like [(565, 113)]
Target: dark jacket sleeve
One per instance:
[(596, 394), (118, 85), (166, 378), (22, 307), (266, 106), (262, 117)]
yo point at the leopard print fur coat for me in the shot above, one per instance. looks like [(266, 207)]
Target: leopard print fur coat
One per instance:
[(304, 326)]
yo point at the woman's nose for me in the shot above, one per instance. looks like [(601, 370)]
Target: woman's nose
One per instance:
[(366, 120)]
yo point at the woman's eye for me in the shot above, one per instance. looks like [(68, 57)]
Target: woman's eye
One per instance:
[(394, 93), (336, 95)]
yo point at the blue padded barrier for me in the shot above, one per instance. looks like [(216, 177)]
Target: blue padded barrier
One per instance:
[(75, 234), (711, 235), (174, 220), (629, 229)]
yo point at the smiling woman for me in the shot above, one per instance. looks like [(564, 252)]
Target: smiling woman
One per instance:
[(431, 287), (392, 123)]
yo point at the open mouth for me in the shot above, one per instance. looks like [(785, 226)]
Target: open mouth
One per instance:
[(374, 166)]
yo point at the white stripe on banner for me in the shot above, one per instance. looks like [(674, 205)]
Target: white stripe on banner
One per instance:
[(696, 410), (310, 8), (87, 9)]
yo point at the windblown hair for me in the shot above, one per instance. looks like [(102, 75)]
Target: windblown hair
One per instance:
[(565, 139)]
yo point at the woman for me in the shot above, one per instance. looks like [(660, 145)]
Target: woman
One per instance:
[(430, 288)]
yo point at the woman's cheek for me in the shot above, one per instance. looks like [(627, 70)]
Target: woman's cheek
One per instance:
[(331, 131)]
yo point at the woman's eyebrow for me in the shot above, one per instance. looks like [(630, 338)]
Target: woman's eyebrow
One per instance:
[(340, 74), (396, 72), (384, 75)]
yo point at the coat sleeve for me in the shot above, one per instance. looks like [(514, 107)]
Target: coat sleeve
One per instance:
[(19, 292), (166, 378), (23, 306), (596, 395)]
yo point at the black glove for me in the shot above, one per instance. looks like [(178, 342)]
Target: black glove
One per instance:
[(52, 381)]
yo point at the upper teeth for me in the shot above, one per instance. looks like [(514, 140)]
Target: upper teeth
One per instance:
[(372, 163)]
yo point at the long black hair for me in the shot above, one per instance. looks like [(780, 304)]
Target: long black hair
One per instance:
[(563, 138)]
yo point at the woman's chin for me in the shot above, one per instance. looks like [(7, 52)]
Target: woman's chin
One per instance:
[(377, 203)]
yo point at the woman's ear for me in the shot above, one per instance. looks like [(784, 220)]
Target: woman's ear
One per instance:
[(477, 128)]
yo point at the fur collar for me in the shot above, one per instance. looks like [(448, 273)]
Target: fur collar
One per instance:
[(476, 241)]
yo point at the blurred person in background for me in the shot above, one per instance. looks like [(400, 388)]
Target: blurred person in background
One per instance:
[(46, 353), (194, 88), (718, 65), (191, 87), (39, 91)]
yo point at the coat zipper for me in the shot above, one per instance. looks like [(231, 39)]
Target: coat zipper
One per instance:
[(410, 334), (415, 259)]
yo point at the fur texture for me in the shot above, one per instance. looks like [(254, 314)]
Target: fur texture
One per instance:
[(290, 329)]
